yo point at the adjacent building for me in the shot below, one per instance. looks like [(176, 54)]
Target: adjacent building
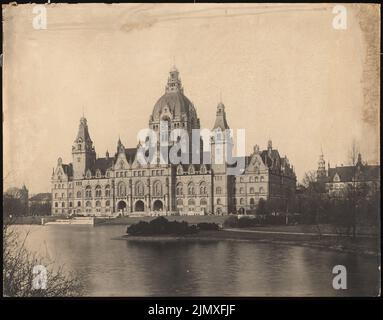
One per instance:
[(336, 181)]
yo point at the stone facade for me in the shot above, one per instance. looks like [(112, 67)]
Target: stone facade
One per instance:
[(335, 182), (121, 184)]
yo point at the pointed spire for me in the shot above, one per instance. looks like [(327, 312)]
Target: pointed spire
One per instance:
[(120, 146), (83, 131), (220, 118)]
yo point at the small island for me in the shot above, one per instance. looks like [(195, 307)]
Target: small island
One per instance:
[(161, 229)]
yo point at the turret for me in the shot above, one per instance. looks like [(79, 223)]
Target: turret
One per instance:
[(83, 152)]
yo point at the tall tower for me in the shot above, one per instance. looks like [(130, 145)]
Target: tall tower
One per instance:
[(220, 141), (84, 155), (221, 144)]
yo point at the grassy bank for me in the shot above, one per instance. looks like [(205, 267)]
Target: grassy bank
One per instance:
[(189, 219)]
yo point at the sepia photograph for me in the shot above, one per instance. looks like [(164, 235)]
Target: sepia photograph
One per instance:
[(191, 150)]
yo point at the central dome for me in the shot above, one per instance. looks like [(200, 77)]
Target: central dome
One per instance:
[(174, 104)]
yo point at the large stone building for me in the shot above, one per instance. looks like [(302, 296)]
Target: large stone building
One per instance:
[(120, 183)]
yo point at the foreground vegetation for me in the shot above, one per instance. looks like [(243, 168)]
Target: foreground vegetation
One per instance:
[(20, 272)]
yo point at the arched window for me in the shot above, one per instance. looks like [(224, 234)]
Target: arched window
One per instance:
[(56, 204), (191, 188), (202, 188), (98, 203), (107, 190), (78, 194), (256, 179), (88, 204), (191, 202), (107, 203), (121, 189), (88, 192), (251, 190), (242, 201), (70, 204), (218, 190), (179, 188), (78, 203), (261, 179), (252, 202), (98, 174), (63, 204), (261, 190), (70, 195), (251, 179), (241, 190), (218, 201), (203, 202), (180, 202), (157, 189), (139, 188), (98, 191)]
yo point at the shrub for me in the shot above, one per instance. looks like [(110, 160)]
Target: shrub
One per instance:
[(161, 226), (208, 226), (244, 222), (231, 222)]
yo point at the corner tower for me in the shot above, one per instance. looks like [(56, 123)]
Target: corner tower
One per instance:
[(84, 155), (220, 145)]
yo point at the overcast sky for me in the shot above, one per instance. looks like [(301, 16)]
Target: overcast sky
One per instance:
[(284, 72)]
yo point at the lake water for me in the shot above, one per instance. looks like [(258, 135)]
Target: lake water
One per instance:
[(219, 268)]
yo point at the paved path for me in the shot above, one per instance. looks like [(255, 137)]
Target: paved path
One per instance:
[(292, 233)]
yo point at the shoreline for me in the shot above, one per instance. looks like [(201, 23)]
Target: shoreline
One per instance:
[(364, 247)]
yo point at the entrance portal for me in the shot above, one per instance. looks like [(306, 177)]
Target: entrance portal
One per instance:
[(158, 205), (121, 205), (139, 206)]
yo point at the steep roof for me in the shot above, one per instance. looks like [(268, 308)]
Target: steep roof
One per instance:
[(41, 197), (83, 131), (68, 169), (220, 119), (130, 154), (102, 164), (346, 173)]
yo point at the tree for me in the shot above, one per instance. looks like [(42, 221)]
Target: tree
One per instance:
[(12, 206), (18, 271), (354, 192)]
